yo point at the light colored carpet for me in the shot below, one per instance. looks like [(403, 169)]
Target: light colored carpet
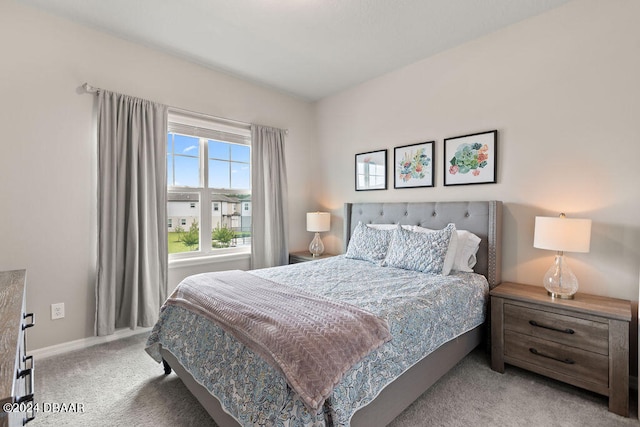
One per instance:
[(120, 385)]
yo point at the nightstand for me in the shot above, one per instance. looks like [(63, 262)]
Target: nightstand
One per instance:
[(583, 341), (296, 257)]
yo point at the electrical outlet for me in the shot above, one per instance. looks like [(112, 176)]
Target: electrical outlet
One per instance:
[(57, 311)]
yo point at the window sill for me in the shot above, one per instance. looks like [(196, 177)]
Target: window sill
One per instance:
[(208, 259)]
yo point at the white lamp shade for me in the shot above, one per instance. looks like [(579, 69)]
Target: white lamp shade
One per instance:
[(318, 221), (562, 234)]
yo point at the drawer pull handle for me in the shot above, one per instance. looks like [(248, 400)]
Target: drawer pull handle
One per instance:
[(566, 361), (28, 397), (29, 359), (32, 416), (24, 372), (33, 320), (27, 372), (24, 399), (564, 331), (27, 420)]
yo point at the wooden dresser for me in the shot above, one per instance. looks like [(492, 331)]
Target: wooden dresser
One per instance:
[(16, 368), (583, 341)]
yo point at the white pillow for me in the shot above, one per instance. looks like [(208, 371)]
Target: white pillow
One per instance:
[(466, 249), (468, 244)]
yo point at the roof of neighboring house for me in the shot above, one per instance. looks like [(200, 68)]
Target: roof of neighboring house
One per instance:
[(224, 198), (193, 197), (182, 197)]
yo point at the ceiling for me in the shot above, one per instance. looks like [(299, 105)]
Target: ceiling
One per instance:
[(306, 48)]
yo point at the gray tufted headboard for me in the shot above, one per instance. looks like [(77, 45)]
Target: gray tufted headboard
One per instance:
[(481, 218)]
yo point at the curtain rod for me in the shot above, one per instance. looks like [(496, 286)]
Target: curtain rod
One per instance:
[(92, 89)]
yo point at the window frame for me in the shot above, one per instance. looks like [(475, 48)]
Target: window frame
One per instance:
[(206, 128)]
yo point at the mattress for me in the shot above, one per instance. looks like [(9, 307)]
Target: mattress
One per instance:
[(423, 312)]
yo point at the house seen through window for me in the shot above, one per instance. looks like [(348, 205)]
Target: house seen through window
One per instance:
[(209, 188)]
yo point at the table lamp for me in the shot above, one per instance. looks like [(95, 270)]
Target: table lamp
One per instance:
[(318, 222), (561, 234)]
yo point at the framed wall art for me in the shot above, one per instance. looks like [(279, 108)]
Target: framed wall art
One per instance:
[(471, 159), (371, 170), (413, 165)]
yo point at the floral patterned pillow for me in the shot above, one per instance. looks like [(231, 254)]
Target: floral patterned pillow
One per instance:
[(424, 252), (368, 244)]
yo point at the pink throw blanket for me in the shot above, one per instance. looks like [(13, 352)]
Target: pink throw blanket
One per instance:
[(311, 339)]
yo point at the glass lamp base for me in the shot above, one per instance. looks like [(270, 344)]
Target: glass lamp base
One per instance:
[(316, 247), (559, 296), (559, 281)]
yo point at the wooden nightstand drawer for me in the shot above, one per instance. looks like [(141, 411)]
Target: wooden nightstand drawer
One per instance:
[(573, 331), (580, 364), (583, 341), (304, 256)]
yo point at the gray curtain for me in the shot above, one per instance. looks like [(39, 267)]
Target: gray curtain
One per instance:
[(269, 218), (132, 212)]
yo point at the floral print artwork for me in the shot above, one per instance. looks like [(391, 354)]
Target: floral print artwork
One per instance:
[(414, 165), (469, 158)]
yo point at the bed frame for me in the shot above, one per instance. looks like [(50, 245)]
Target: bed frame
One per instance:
[(481, 218)]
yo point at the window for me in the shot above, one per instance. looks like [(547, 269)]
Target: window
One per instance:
[(209, 186), (371, 174)]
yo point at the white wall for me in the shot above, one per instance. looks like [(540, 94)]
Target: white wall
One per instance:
[(48, 157), (563, 91)]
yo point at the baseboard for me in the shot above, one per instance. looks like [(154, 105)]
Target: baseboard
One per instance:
[(80, 344)]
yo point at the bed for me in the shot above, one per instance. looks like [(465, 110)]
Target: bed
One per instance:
[(362, 398)]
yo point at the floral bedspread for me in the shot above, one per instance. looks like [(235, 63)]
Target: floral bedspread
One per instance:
[(423, 312)]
